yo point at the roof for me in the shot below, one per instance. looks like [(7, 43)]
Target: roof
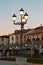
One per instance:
[(23, 31), (37, 30), (30, 32), (40, 27), (6, 36), (19, 31), (11, 34)]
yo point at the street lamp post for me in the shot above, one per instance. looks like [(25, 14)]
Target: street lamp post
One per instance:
[(24, 17)]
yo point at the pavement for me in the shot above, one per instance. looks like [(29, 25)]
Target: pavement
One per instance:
[(16, 63)]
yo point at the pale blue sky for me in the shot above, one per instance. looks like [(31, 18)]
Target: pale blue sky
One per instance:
[(34, 8)]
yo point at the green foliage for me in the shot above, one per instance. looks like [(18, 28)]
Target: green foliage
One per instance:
[(35, 60)]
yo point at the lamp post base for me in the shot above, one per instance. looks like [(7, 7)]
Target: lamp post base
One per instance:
[(21, 59), (22, 53)]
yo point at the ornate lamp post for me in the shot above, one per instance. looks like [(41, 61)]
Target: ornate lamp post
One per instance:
[(24, 17)]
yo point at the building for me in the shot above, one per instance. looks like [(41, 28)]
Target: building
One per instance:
[(4, 39), (15, 37), (12, 38), (36, 36), (18, 35), (36, 33), (32, 40)]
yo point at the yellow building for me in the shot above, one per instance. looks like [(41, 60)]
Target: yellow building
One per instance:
[(15, 37), (36, 33), (24, 36), (36, 36)]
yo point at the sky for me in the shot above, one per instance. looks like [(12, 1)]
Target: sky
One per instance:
[(34, 8)]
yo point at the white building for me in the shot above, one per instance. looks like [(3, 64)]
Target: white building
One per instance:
[(4, 39), (12, 38)]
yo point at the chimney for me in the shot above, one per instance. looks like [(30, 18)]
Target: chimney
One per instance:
[(41, 25)]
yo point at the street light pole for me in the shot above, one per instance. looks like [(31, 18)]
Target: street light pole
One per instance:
[(21, 32), (24, 18), (22, 26)]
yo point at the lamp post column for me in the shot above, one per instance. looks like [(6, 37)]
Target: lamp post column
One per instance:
[(21, 31)]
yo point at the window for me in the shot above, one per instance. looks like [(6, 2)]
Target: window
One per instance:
[(42, 37), (24, 36), (24, 40), (2, 39), (16, 37), (28, 40), (12, 38), (38, 39), (33, 39)]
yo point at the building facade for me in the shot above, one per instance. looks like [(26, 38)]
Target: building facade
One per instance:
[(12, 38), (32, 40), (36, 36), (16, 36), (4, 39), (36, 33)]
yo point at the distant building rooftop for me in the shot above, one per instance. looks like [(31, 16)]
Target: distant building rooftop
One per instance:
[(6, 36), (36, 30)]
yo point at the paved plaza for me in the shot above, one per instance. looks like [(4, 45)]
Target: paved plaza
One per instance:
[(16, 63)]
